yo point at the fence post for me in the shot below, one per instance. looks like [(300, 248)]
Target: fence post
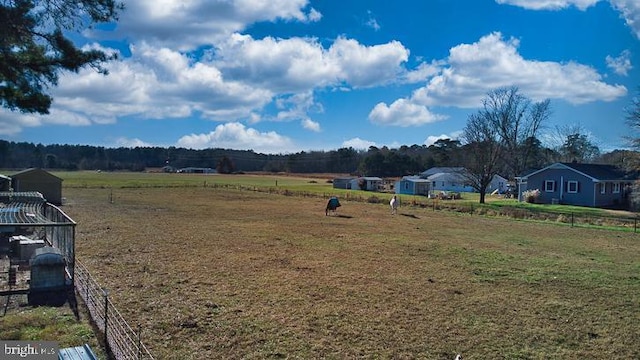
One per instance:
[(139, 343), (105, 293), (86, 286), (635, 225), (572, 219)]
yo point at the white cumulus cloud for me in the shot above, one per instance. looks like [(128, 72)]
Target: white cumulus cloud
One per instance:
[(630, 12), (430, 140), (620, 64), (310, 125), (358, 144), (549, 4), (237, 136), (493, 62), (629, 9), (300, 64), (402, 112), (186, 25), (131, 143)]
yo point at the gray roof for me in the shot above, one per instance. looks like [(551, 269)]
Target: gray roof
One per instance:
[(36, 170), (597, 172), (444, 169)]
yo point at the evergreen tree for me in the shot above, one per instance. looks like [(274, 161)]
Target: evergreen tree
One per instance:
[(34, 48)]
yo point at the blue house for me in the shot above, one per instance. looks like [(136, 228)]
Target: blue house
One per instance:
[(412, 185), (591, 185)]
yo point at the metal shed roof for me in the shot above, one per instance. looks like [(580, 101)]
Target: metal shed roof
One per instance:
[(83, 352), (22, 208)]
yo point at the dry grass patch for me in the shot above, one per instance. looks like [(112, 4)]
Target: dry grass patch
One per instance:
[(230, 274)]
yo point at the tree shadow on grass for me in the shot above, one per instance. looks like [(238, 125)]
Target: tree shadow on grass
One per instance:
[(410, 215)]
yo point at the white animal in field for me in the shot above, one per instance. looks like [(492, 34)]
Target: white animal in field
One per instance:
[(458, 357), (394, 205)]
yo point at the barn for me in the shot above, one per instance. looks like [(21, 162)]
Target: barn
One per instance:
[(42, 181)]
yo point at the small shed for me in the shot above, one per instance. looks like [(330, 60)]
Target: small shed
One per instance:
[(48, 284), (412, 185), (42, 181), (369, 183), (342, 182)]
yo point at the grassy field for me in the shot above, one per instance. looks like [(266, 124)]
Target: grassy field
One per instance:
[(58, 324), (223, 273)]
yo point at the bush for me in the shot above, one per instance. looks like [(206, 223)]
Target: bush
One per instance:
[(373, 200), (531, 196)]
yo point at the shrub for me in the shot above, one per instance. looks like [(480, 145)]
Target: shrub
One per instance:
[(373, 200), (531, 196)]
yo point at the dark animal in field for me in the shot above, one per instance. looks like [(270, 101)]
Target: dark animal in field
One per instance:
[(332, 205)]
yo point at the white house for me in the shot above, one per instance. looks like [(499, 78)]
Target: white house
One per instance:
[(455, 179), (369, 183)]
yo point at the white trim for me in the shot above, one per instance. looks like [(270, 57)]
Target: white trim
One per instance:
[(575, 187), (616, 188), (603, 188), (553, 186)]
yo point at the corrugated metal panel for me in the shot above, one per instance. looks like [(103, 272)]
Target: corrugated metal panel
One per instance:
[(22, 208), (83, 352)]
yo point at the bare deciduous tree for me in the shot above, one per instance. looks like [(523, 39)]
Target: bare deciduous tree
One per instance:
[(482, 153), (499, 136), (516, 119)]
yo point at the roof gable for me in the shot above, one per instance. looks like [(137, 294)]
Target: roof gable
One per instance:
[(444, 169), (596, 172), (35, 171)]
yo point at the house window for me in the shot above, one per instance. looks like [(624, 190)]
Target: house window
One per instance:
[(549, 186), (603, 188), (572, 187), (616, 188), (406, 186)]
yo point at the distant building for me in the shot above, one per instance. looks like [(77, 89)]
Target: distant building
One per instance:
[(456, 179), (412, 185), (369, 183), (197, 170), (342, 183)]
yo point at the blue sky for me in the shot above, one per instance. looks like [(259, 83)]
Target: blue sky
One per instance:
[(284, 76)]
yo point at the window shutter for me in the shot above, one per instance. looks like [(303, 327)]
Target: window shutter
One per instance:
[(578, 186)]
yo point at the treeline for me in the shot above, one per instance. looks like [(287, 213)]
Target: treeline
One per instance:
[(383, 162)]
